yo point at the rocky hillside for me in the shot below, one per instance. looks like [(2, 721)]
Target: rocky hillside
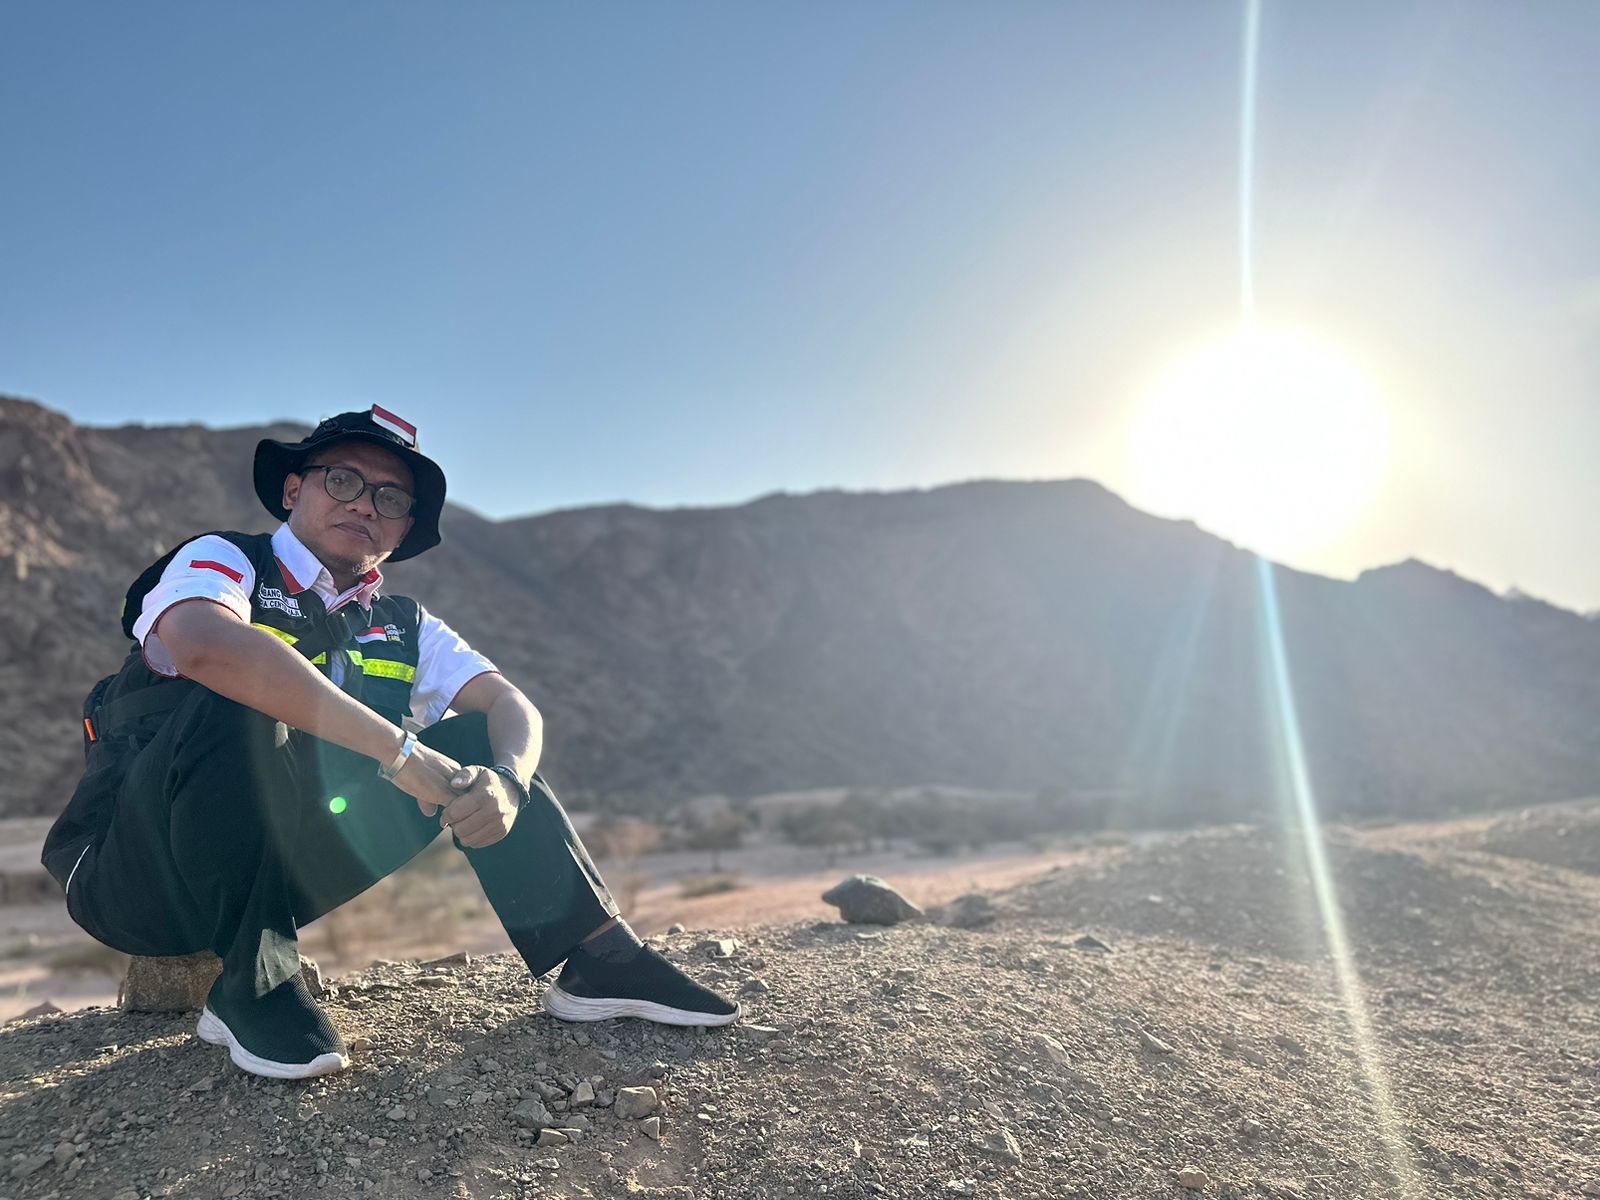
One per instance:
[(1163, 1022), (985, 634)]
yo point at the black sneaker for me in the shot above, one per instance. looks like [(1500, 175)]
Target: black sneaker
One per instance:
[(282, 1035), (647, 986)]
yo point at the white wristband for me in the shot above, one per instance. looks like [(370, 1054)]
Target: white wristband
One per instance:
[(407, 745)]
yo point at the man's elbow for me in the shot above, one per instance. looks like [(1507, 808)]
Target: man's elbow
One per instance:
[(515, 698), (195, 659), (197, 638)]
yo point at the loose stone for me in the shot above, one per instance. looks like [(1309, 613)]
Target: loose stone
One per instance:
[(1051, 1050), (531, 1114), (1001, 1144), (1152, 1043), (30, 1164), (868, 900), (1193, 1178), (972, 911), (635, 1102)]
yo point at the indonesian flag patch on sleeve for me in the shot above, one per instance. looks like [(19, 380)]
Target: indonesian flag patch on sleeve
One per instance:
[(401, 429)]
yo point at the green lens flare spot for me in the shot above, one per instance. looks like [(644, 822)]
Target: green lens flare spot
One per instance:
[(336, 805)]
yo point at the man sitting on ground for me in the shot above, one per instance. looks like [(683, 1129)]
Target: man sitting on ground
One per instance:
[(251, 762)]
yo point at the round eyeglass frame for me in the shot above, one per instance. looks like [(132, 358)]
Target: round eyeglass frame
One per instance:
[(382, 493)]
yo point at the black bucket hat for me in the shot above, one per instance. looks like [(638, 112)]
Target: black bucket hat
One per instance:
[(276, 460)]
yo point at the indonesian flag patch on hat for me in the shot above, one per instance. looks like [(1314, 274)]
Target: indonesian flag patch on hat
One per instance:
[(395, 425)]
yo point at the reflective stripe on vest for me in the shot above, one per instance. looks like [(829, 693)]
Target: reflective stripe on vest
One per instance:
[(379, 667), (385, 669), (289, 638)]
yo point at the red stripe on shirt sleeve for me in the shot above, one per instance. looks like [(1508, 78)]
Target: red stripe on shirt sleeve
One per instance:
[(205, 564)]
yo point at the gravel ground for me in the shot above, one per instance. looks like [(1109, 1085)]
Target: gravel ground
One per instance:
[(1162, 1022)]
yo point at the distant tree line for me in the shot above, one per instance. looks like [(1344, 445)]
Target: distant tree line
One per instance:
[(934, 821), (626, 838), (937, 822)]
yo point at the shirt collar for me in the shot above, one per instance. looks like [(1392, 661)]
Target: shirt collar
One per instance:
[(303, 571)]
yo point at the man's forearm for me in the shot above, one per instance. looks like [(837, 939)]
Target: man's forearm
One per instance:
[(516, 732), (259, 671)]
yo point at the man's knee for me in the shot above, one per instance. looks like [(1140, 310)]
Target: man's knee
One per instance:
[(464, 738), (207, 723), (224, 763)]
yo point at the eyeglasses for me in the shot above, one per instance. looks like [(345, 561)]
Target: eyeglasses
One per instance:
[(345, 485)]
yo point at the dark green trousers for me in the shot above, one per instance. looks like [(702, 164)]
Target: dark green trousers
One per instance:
[(231, 831)]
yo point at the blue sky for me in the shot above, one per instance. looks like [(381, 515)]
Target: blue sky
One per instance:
[(693, 253)]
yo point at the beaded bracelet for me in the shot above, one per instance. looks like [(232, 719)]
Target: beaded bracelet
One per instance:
[(508, 774)]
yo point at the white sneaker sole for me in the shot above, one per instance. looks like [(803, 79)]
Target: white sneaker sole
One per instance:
[(567, 1007), (212, 1029)]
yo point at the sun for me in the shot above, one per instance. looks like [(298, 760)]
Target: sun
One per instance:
[(1269, 438)]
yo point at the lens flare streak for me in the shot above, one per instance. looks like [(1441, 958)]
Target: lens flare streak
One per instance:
[(1303, 804), (1306, 824)]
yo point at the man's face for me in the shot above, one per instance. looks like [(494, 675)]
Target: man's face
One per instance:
[(347, 536)]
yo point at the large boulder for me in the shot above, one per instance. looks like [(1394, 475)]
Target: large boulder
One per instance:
[(868, 900)]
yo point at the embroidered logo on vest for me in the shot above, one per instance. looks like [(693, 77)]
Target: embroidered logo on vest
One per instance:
[(271, 597), (381, 633)]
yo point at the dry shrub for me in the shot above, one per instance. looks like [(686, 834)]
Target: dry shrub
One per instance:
[(26, 948), (626, 886), (624, 839), (712, 883)]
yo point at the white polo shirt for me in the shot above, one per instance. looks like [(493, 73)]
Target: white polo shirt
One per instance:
[(213, 568)]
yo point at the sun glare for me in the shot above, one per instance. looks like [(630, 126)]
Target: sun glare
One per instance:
[(1270, 438)]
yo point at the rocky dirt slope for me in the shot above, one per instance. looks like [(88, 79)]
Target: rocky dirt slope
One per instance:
[(1161, 1022)]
